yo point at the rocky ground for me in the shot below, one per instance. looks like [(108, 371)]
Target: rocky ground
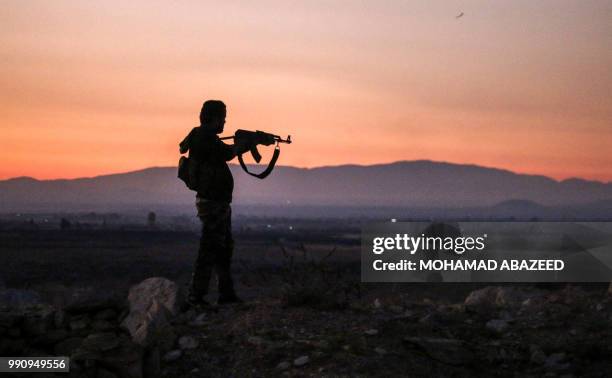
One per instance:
[(496, 331), (324, 328)]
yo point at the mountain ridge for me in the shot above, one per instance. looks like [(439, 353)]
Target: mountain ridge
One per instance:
[(398, 162), (417, 183)]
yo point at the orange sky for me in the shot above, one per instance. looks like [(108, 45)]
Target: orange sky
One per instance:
[(89, 88)]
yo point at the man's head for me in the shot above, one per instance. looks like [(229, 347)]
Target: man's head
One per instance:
[(213, 114)]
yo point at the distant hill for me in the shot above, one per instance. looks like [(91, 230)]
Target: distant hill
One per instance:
[(424, 184)]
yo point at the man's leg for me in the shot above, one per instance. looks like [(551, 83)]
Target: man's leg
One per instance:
[(211, 242), (224, 262)]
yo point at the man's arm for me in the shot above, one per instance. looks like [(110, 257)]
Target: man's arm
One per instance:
[(230, 151)]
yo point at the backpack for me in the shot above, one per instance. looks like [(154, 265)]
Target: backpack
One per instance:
[(187, 166)]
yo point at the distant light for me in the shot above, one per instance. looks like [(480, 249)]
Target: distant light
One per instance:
[(291, 227), (269, 226), (393, 220)]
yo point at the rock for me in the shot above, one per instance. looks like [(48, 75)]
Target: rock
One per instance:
[(570, 295), (102, 325), (150, 326), (173, 355), (490, 298), (449, 351), (156, 289), (554, 362), (256, 340), (188, 342), (428, 318), (199, 320), (66, 347), (78, 323), (153, 302), (371, 332), (513, 296), (301, 361), (107, 314), (380, 351), (481, 300), (396, 309), (101, 342), (497, 325), (537, 356), (283, 365)]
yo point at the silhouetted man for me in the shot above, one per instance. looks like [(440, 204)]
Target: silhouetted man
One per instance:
[(214, 195)]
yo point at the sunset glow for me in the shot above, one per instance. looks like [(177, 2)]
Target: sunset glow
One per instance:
[(94, 88)]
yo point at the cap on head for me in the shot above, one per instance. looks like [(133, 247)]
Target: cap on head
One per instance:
[(212, 109)]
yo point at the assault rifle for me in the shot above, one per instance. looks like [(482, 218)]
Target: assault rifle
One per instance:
[(252, 139)]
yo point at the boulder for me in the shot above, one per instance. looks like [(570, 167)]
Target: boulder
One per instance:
[(153, 302), (151, 326), (492, 298), (156, 289)]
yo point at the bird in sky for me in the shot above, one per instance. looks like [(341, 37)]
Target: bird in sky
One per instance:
[(459, 15)]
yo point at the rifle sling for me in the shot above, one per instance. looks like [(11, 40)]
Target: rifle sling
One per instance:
[(268, 170)]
